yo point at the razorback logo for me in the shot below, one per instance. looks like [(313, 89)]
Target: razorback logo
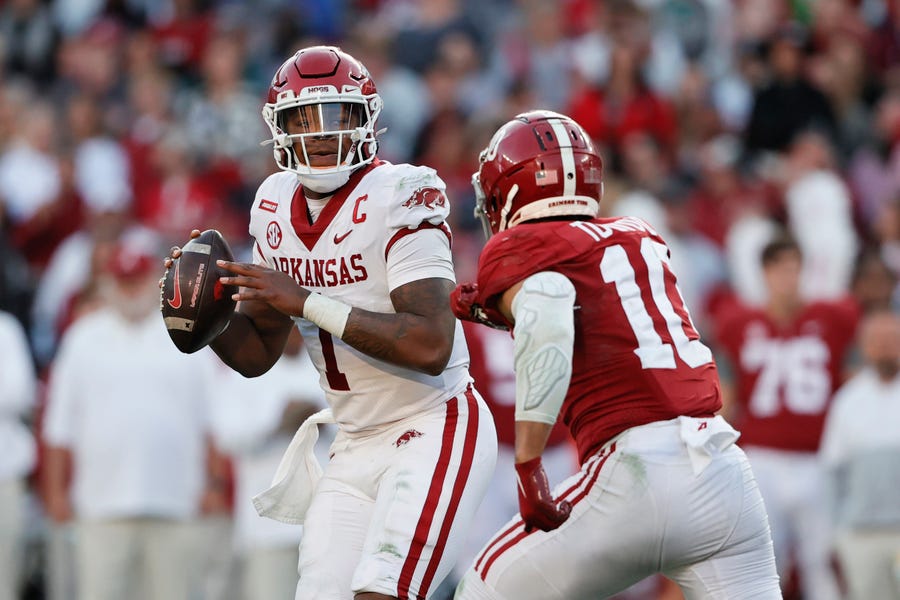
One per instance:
[(428, 197), (407, 436)]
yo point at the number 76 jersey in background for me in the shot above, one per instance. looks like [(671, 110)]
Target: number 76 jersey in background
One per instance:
[(637, 356), (786, 374)]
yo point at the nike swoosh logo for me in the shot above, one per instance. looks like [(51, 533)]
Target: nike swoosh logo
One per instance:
[(175, 302), (340, 238)]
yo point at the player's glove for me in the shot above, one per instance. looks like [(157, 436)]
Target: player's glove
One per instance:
[(462, 301), (536, 504)]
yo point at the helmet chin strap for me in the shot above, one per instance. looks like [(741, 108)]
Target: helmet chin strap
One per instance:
[(326, 182)]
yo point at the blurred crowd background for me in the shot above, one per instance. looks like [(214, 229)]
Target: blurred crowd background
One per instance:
[(124, 124)]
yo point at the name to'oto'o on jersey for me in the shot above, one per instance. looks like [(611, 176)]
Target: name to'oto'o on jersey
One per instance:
[(320, 272)]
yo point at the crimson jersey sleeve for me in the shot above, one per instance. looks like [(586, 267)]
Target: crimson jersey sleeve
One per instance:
[(637, 357)]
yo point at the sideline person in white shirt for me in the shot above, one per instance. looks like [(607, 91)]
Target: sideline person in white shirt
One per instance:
[(17, 448), (127, 420), (254, 420), (861, 452)]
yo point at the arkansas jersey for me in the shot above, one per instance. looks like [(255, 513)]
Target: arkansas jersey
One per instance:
[(352, 253), (786, 376), (637, 357), (492, 358)]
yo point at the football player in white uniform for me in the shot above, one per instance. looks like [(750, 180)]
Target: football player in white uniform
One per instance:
[(356, 252)]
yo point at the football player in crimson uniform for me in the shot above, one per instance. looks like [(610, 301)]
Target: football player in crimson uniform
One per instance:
[(787, 358), (491, 366), (355, 252), (604, 342)]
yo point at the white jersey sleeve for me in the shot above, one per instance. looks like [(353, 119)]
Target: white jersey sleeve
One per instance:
[(421, 256), (418, 245)]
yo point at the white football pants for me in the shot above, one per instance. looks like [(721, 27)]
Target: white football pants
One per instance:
[(392, 510), (639, 509)]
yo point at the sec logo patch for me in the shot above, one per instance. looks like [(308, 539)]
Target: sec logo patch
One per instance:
[(273, 235)]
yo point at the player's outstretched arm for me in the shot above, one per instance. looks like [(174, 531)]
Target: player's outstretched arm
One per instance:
[(541, 309), (418, 336)]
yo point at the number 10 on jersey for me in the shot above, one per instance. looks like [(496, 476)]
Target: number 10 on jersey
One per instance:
[(616, 267)]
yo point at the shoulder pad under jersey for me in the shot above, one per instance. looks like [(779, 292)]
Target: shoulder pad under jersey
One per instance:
[(414, 195)]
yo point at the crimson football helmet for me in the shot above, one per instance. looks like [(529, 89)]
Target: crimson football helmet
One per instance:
[(320, 96), (540, 164)]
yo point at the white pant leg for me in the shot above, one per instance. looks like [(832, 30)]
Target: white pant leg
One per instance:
[(869, 561), (12, 527), (333, 535), (269, 573), (637, 509), (793, 489), (61, 578), (743, 567), (106, 559), (501, 501), (777, 489), (392, 509), (814, 534)]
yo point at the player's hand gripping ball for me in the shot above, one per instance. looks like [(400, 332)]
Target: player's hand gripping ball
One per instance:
[(195, 305)]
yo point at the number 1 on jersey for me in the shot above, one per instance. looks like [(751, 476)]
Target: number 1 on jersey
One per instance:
[(336, 379), (616, 267)]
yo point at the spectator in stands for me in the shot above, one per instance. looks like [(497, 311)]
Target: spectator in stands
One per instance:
[(722, 195), (534, 52), (221, 119), (787, 358), (70, 283), (126, 424), (16, 286), (17, 449), (874, 285), (820, 217), (179, 195), (861, 452), (417, 41), (789, 103), (30, 38), (32, 181), (406, 102), (625, 106), (874, 171)]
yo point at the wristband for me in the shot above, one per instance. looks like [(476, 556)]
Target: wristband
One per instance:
[(329, 314)]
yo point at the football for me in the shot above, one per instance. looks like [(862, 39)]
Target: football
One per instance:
[(195, 305)]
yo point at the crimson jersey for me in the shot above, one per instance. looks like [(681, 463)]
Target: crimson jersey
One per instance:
[(491, 356), (637, 357), (786, 376)]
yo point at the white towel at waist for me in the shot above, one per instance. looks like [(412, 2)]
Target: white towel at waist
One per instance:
[(704, 436), (297, 475)]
